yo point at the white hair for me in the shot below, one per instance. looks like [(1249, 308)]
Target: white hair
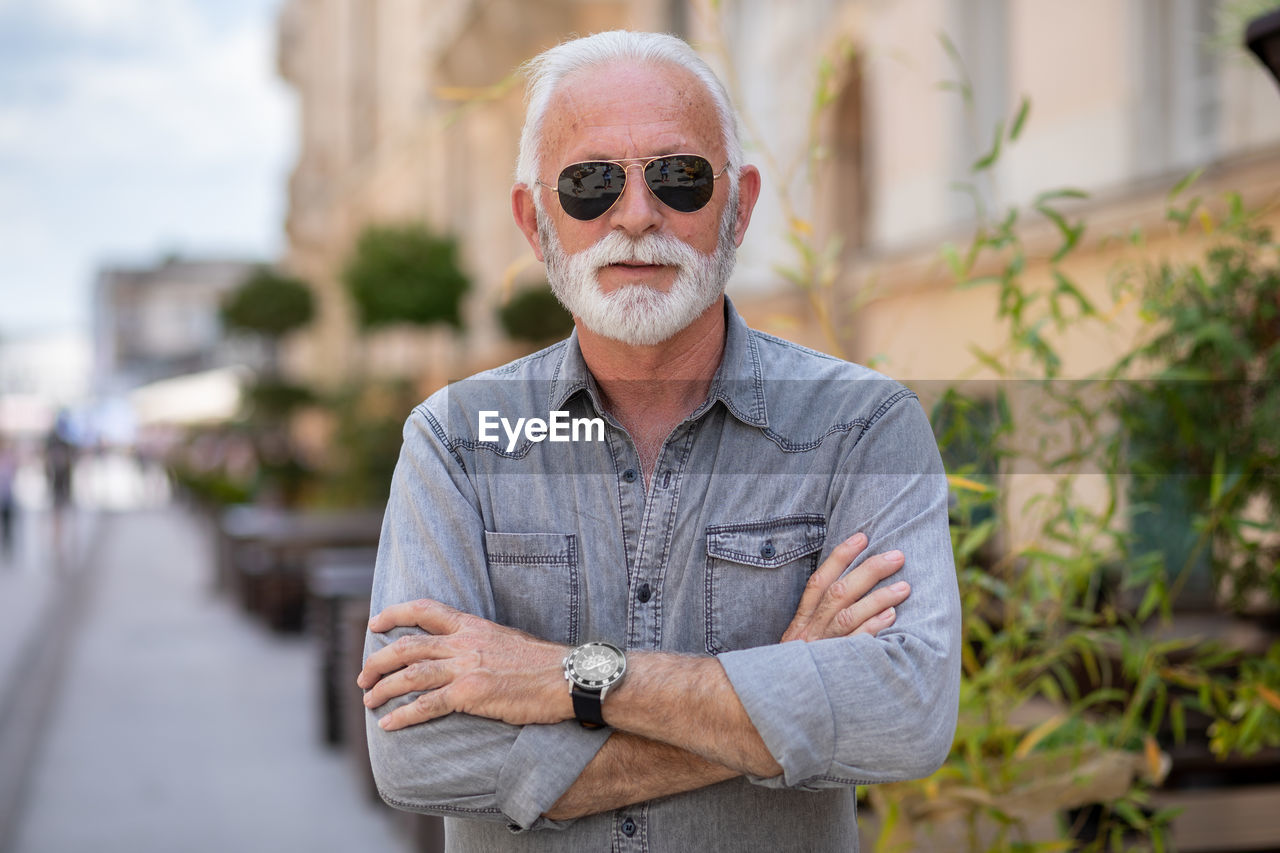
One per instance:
[(548, 69)]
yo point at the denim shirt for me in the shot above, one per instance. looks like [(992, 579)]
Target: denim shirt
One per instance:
[(792, 452)]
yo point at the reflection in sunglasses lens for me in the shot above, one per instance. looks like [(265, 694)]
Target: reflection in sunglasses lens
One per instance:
[(683, 182), (587, 190)]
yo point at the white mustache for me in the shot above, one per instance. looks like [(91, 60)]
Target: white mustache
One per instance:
[(658, 249)]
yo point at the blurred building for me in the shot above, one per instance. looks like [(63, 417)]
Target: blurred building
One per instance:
[(410, 111), (162, 321)]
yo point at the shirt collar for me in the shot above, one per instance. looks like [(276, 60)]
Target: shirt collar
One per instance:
[(738, 382)]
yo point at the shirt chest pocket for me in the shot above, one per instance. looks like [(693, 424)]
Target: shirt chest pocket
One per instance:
[(755, 574), (534, 577)]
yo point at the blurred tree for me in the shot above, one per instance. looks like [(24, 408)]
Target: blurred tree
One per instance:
[(269, 305), (405, 274), (535, 315)]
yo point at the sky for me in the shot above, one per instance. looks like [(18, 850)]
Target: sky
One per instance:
[(129, 130)]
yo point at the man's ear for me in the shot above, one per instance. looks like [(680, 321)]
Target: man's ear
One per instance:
[(748, 195), (526, 217)]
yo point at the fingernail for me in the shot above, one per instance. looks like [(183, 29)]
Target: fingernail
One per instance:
[(900, 586), (856, 539), (887, 615), (894, 556), (385, 721)]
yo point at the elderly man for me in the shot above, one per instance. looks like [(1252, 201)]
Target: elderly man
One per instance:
[(657, 636)]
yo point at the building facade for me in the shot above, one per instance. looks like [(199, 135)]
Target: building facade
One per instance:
[(411, 109), (162, 321)]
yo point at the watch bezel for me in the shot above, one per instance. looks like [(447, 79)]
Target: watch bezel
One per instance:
[(595, 684)]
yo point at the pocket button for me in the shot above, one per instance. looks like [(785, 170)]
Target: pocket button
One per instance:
[(767, 550)]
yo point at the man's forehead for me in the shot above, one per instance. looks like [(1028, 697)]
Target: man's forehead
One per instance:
[(643, 108)]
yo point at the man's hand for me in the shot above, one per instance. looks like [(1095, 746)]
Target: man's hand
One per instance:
[(466, 664), (834, 606)]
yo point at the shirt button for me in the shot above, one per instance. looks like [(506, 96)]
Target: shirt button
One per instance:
[(644, 593), (767, 550), (629, 475), (628, 827)]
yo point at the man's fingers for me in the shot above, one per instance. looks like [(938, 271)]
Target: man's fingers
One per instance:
[(423, 675), (869, 615), (849, 589), (832, 567), (428, 706), (878, 623), (425, 613), (410, 648)]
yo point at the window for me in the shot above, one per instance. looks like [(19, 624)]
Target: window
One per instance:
[(1177, 86)]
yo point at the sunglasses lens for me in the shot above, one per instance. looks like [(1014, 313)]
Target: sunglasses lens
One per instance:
[(683, 182), (587, 190)]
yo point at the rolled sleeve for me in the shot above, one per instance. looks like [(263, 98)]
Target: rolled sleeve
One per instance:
[(793, 714), (543, 762)]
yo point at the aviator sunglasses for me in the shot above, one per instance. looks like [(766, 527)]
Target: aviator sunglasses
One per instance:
[(682, 182)]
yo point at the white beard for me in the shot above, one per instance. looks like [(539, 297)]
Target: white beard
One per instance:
[(637, 314)]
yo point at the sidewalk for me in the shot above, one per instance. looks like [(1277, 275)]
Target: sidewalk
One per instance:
[(27, 582), (181, 725), (36, 580)]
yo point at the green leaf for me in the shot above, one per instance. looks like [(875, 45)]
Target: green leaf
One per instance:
[(1063, 192), (1020, 119), (1187, 181), (1067, 287), (980, 281), (1070, 233), (987, 359), (1219, 474), (989, 159), (975, 537), (1152, 599), (963, 86), (1131, 814)]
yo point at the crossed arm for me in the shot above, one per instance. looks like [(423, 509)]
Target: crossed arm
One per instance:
[(678, 724)]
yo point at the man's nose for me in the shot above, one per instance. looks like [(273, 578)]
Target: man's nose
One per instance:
[(636, 211)]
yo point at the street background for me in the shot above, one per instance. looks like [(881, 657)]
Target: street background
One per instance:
[(242, 238)]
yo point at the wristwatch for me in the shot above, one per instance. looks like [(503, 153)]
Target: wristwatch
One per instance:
[(591, 669)]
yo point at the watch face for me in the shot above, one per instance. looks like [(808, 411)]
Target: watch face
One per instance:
[(595, 665)]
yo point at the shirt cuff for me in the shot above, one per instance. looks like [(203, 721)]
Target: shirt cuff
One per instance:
[(542, 764), (791, 713)]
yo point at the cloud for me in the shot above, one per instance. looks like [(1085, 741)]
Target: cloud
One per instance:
[(134, 127)]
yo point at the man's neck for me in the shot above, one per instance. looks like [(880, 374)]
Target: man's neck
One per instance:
[(648, 384)]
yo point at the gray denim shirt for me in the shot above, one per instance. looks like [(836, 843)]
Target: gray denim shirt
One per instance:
[(792, 452)]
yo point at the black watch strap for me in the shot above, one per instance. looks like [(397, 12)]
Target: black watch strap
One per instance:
[(586, 707)]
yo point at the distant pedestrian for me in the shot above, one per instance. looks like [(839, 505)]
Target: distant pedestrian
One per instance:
[(59, 463), (59, 460), (8, 472)]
